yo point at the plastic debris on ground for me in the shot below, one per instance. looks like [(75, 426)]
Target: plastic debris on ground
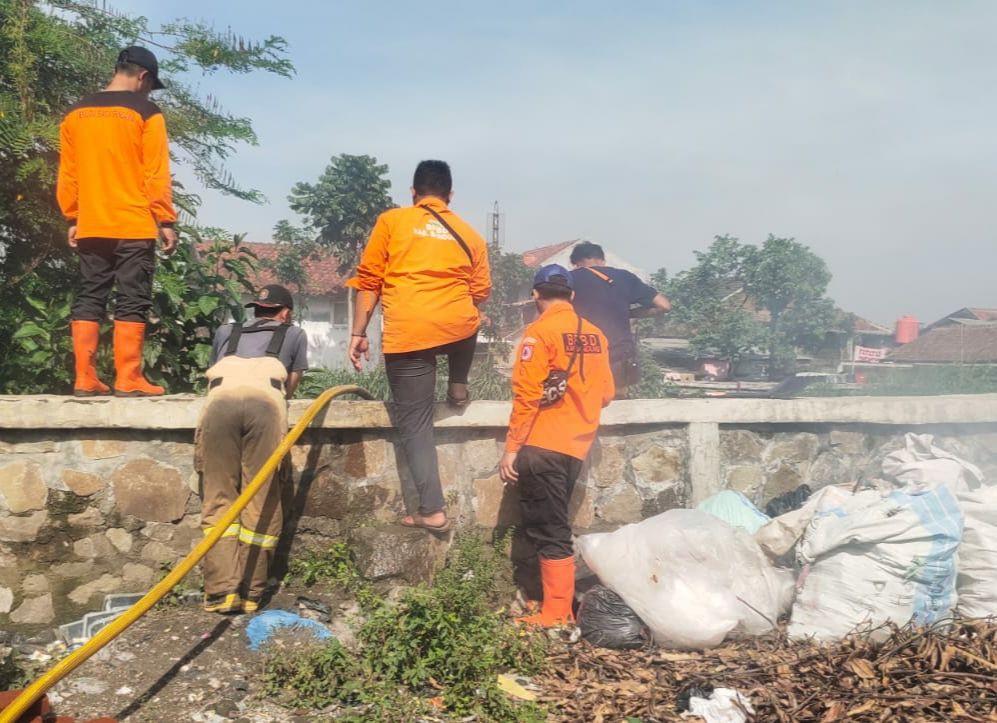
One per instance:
[(788, 501), (920, 465), (76, 633), (608, 622), (516, 687), (724, 705), (692, 578), (735, 509), (263, 626)]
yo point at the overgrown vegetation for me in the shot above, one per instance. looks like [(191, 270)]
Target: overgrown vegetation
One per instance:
[(52, 53), (14, 672), (919, 381), (438, 648)]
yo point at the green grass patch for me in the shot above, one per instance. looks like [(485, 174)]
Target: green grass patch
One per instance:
[(437, 649)]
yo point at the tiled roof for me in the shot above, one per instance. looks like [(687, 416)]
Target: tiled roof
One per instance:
[(323, 275), (537, 257), (957, 343)]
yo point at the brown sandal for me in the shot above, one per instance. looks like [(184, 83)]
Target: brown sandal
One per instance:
[(445, 527)]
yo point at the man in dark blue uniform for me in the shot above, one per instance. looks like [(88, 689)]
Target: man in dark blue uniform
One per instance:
[(610, 298)]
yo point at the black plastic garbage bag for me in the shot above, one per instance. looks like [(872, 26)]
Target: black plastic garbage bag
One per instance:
[(788, 501), (608, 622)]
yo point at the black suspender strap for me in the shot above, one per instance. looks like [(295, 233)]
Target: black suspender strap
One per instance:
[(233, 339), (605, 277), (277, 340), (453, 233)]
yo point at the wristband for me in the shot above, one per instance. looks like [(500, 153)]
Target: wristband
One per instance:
[(360, 336)]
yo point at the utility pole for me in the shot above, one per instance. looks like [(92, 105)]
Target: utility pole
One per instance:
[(496, 225)]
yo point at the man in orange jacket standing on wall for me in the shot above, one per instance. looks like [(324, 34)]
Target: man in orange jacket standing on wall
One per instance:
[(561, 382), (115, 191), (429, 270)]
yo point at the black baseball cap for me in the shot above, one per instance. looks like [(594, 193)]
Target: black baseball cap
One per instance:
[(143, 58), (272, 296)]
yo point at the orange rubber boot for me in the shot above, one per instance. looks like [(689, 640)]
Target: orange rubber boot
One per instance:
[(130, 382), (86, 335), (558, 580)]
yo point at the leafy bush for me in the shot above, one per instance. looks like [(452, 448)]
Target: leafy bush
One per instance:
[(445, 641), (335, 565)]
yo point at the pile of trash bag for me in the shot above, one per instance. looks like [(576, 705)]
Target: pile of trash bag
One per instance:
[(608, 622), (691, 577), (916, 546)]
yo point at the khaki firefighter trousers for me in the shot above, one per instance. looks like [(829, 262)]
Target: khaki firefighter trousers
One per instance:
[(244, 420)]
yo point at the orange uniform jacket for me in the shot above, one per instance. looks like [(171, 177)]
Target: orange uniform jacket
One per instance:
[(114, 167), (428, 286), (569, 426)]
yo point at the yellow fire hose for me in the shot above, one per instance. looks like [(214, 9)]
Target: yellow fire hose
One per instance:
[(72, 661)]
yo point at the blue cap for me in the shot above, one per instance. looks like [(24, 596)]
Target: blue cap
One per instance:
[(553, 275)]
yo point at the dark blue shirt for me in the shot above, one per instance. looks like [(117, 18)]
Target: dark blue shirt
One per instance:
[(603, 296)]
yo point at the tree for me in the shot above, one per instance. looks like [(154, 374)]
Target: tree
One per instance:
[(51, 54), (732, 284), (339, 211), (709, 299), (788, 280)]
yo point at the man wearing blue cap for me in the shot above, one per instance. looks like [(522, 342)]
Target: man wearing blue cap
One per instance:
[(561, 382)]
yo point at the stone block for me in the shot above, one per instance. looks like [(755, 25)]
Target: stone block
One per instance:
[(581, 507), (138, 576), (158, 531), (34, 611), (73, 570), (494, 504), (393, 551), (328, 496), (22, 488), (845, 442), (101, 586), (792, 448), (831, 468), (609, 462), (657, 464), (158, 552), (323, 526), (618, 506), (45, 446), (748, 479), (121, 539), (150, 491), (6, 600), (785, 478), (22, 529), (83, 484), (481, 456), (95, 546), (103, 448), (35, 585), (88, 519), (451, 467), (740, 445), (363, 460)]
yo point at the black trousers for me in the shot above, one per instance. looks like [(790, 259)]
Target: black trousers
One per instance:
[(546, 481), (412, 378), (128, 265)]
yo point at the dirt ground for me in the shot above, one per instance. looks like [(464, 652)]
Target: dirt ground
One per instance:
[(181, 663)]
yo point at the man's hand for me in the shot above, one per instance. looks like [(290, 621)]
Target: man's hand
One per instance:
[(359, 349), (169, 236), (507, 468), (71, 236)]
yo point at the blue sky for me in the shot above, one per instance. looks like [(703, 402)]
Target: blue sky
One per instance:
[(863, 129)]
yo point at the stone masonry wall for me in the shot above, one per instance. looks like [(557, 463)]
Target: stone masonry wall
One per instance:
[(86, 512)]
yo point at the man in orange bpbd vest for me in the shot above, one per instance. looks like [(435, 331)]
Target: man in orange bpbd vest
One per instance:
[(114, 189), (561, 382)]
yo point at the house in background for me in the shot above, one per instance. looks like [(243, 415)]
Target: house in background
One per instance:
[(967, 314), (324, 307), (561, 254), (959, 341)]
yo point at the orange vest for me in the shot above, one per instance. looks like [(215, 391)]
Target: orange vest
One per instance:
[(429, 286), (569, 426), (114, 167)]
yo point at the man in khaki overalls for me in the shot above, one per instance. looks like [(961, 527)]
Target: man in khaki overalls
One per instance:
[(256, 369)]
